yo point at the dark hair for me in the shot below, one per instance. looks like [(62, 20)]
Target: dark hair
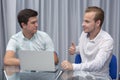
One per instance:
[(99, 13), (25, 14)]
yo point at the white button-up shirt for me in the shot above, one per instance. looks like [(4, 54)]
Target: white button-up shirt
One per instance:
[(95, 54)]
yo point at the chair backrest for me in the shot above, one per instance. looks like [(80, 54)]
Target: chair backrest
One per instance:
[(78, 59), (112, 66)]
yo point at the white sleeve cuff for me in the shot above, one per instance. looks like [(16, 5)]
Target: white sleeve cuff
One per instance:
[(76, 66), (77, 49)]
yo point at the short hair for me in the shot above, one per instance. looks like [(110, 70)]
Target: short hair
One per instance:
[(99, 13), (25, 14)]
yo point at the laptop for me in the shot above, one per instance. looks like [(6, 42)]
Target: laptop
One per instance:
[(36, 60)]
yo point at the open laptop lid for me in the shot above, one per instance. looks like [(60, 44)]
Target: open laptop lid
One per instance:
[(36, 60)]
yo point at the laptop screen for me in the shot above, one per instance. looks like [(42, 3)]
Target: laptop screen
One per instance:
[(36, 60)]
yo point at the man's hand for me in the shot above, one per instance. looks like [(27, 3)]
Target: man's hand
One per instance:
[(72, 49), (66, 65)]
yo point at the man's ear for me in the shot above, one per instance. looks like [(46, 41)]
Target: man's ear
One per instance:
[(98, 22), (23, 25)]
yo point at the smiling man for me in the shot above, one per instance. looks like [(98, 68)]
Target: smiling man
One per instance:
[(95, 45)]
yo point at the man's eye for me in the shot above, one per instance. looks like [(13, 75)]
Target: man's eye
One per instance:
[(33, 22)]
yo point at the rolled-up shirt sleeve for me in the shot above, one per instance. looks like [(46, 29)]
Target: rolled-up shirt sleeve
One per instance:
[(77, 49)]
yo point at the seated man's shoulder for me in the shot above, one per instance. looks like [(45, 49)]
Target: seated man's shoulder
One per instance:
[(17, 35), (42, 33), (106, 35)]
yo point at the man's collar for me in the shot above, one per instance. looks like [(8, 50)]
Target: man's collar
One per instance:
[(95, 39), (27, 38)]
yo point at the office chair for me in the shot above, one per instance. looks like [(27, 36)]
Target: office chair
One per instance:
[(112, 66)]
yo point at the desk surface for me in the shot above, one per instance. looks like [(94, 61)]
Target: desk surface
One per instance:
[(13, 73)]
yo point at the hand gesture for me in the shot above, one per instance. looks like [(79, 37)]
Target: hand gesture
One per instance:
[(72, 49)]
